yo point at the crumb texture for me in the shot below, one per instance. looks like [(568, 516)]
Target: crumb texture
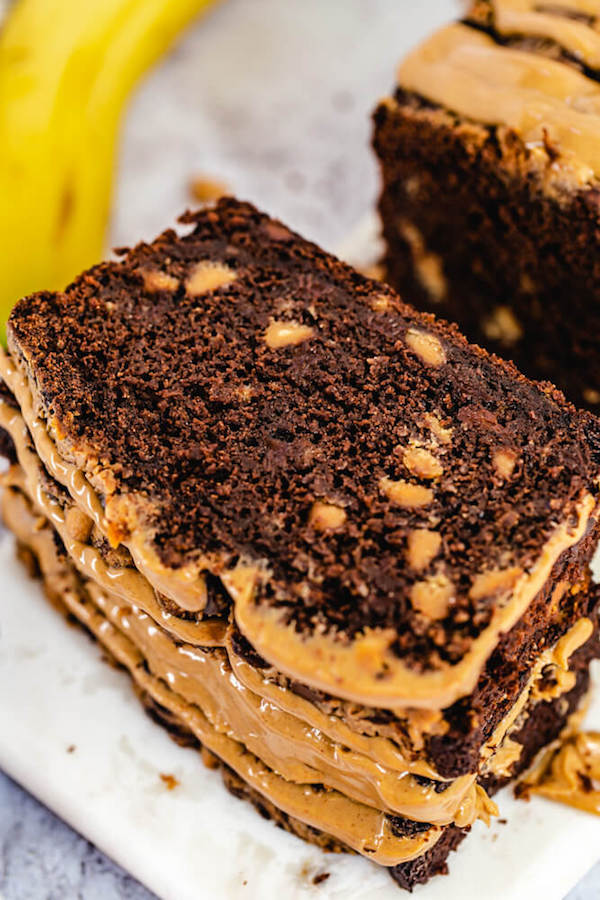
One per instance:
[(358, 437)]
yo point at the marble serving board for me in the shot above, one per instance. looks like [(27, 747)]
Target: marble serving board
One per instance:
[(71, 730)]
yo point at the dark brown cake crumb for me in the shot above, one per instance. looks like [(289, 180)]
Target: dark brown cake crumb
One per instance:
[(188, 398)]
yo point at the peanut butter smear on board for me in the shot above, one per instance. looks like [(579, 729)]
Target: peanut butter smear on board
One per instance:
[(568, 772)]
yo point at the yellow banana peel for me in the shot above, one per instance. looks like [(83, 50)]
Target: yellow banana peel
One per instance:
[(66, 69)]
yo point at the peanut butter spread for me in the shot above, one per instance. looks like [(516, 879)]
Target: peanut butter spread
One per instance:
[(551, 21), (362, 828), (277, 732), (467, 72)]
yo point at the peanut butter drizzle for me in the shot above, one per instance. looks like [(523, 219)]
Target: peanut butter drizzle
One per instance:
[(380, 749), (205, 679), (504, 758), (352, 672), (130, 587), (465, 71), (359, 826), (525, 17), (284, 743)]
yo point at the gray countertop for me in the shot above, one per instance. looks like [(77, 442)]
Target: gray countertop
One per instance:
[(274, 98)]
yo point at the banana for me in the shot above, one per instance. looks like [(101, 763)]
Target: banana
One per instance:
[(67, 68)]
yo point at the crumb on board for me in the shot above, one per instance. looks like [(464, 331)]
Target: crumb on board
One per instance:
[(317, 878), (206, 189), (169, 780), (71, 748)]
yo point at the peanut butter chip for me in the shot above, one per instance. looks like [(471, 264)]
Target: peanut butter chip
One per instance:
[(527, 283), (326, 516), (486, 584), (205, 189), (443, 435), (277, 232), (432, 597), (380, 303), (591, 396), (155, 280), (426, 346), (422, 463), (284, 334), (504, 462), (428, 266), (412, 185), (208, 276), (79, 526), (503, 326), (423, 547), (244, 393), (431, 275), (376, 272), (403, 493)]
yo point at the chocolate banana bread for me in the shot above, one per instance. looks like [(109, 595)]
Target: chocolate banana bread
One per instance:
[(335, 545), (490, 167)]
